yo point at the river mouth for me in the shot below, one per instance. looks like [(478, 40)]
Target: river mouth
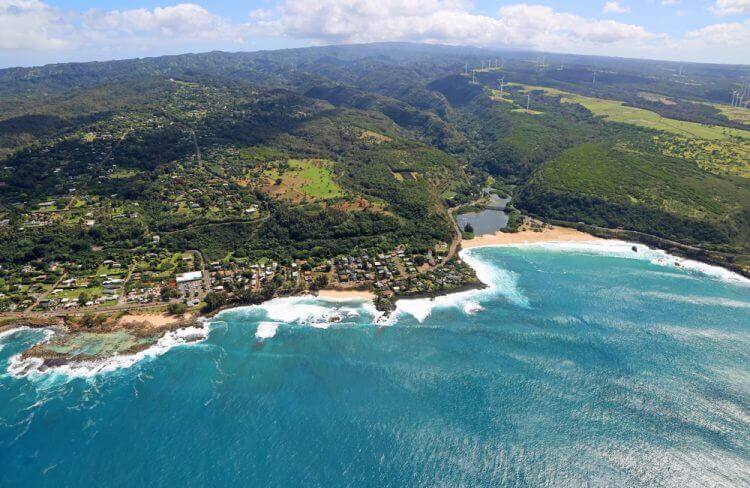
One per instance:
[(489, 220)]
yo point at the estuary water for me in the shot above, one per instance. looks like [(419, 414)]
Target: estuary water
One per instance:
[(580, 364)]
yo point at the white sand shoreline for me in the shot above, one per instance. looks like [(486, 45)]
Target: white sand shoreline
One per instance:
[(547, 235), (346, 295)]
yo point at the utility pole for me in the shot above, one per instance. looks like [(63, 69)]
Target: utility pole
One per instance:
[(528, 101), (594, 80)]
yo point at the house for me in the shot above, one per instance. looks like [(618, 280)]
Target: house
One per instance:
[(188, 277), (190, 282)]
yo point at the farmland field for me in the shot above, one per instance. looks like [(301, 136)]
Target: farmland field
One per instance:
[(616, 111), (734, 113)]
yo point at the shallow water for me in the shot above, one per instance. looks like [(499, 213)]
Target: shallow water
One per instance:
[(579, 364)]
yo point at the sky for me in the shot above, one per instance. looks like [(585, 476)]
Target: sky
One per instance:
[(35, 32)]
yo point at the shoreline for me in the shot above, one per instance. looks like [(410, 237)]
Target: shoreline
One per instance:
[(345, 295), (167, 326), (546, 235)]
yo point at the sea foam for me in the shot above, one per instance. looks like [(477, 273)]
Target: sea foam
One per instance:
[(34, 368), (266, 330), (499, 283), (306, 310), (623, 249)]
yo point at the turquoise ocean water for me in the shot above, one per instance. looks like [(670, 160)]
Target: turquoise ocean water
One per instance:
[(578, 366)]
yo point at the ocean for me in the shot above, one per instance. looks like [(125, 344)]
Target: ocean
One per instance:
[(579, 365)]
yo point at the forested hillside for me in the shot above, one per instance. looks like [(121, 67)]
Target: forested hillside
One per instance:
[(318, 151)]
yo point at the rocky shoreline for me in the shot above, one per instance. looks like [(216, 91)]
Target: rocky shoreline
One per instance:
[(76, 340)]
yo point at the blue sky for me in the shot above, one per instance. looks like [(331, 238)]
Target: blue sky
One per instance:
[(43, 31)]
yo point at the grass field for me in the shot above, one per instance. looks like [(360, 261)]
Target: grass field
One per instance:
[(304, 179), (616, 111), (73, 293), (734, 113)]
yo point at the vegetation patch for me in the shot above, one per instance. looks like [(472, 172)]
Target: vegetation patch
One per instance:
[(616, 111), (619, 185), (373, 137), (298, 180)]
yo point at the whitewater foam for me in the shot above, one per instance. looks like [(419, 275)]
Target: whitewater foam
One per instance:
[(699, 300), (499, 283), (10, 332), (266, 330), (34, 368), (624, 249), (309, 310)]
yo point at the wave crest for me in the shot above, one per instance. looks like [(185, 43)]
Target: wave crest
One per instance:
[(34, 368), (500, 283)]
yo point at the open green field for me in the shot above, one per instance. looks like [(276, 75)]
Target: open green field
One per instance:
[(318, 178), (73, 293), (304, 179), (109, 271), (616, 111), (734, 113)]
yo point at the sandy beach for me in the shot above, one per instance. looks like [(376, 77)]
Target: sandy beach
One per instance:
[(347, 294), (549, 234), (152, 320)]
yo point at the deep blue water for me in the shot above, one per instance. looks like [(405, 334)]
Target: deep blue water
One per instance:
[(574, 369)]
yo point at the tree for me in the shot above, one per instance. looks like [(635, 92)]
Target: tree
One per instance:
[(168, 292), (320, 281), (468, 228), (214, 300), (176, 308), (83, 297)]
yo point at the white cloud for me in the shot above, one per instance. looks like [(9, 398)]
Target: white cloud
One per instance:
[(33, 25), (32, 30), (184, 21), (726, 35), (729, 7), (670, 2), (614, 8), (443, 21)]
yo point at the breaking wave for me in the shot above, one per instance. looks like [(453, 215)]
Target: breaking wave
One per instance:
[(47, 334), (499, 283), (266, 330), (623, 249), (34, 368), (307, 310)]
